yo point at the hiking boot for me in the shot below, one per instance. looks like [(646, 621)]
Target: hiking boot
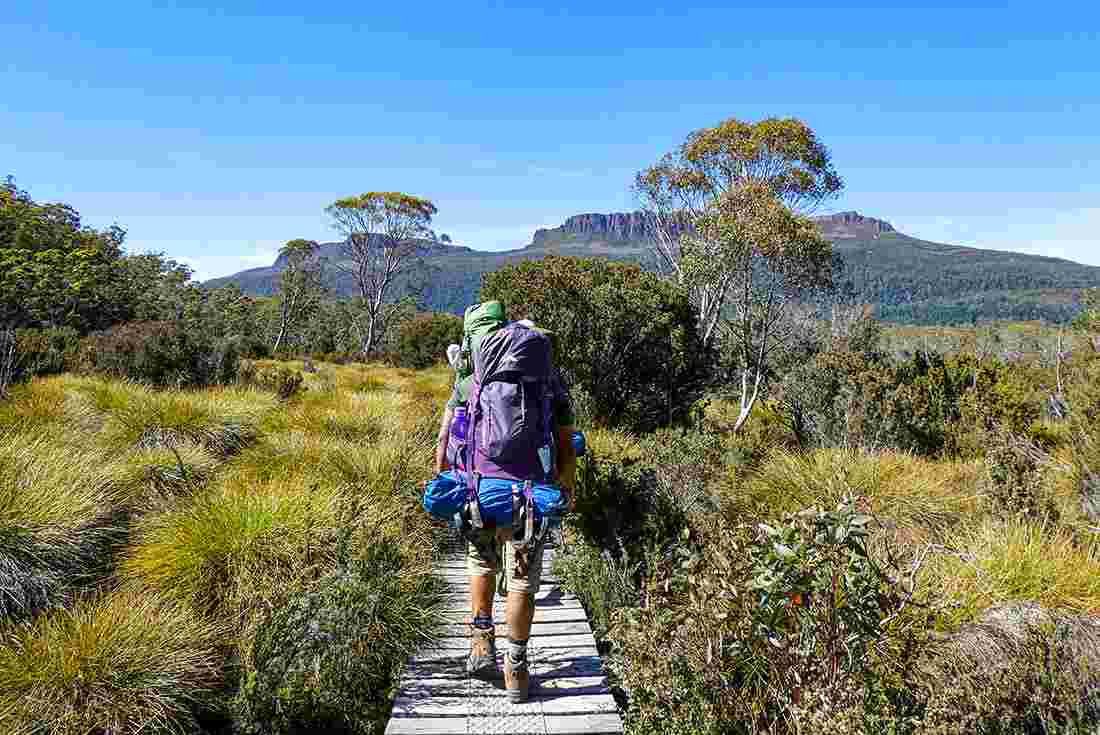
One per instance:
[(483, 652), (517, 679)]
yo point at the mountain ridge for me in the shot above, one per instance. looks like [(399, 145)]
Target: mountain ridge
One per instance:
[(906, 278)]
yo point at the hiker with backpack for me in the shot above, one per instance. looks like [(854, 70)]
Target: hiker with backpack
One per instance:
[(507, 437)]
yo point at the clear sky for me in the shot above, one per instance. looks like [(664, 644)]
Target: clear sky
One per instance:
[(217, 131)]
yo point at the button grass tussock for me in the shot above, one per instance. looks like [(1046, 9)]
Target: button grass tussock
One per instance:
[(148, 536), (60, 524), (123, 663)]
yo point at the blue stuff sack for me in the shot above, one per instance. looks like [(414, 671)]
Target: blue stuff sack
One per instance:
[(495, 499), (580, 444), (444, 495)]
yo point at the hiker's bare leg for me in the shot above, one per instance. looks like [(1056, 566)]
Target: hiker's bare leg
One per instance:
[(521, 611), (523, 568), (482, 659), (482, 589)]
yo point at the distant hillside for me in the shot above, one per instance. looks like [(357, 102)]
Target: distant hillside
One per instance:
[(908, 279)]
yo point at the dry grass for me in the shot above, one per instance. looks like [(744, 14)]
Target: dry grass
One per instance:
[(614, 445), (209, 511), (912, 492), (997, 561), (59, 523), (122, 664)]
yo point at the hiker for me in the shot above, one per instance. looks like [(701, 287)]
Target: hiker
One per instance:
[(508, 430)]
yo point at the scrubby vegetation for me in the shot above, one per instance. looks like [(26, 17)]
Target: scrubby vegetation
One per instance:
[(214, 560), (894, 543)]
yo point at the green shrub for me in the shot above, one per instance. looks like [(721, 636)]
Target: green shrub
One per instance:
[(422, 341), (1014, 479), (47, 351), (622, 335), (927, 404), (628, 509), (602, 582), (1084, 429), (327, 660), (161, 354), (740, 634)]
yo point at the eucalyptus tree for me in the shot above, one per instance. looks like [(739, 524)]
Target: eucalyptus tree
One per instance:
[(729, 216), (299, 286), (383, 234)]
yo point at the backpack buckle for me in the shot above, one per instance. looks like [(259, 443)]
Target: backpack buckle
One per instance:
[(523, 518)]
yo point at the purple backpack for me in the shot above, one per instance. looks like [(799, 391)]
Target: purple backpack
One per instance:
[(510, 434)]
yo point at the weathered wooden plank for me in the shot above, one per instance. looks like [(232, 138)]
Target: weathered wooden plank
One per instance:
[(578, 704), (552, 593), (543, 604), (538, 654), (435, 705), (550, 686), (454, 669), (461, 579), (454, 630), (542, 615), (427, 726), (601, 724), (542, 687), (529, 724), (536, 641), (429, 687), (591, 666)]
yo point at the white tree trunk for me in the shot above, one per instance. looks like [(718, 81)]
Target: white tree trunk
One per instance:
[(748, 400)]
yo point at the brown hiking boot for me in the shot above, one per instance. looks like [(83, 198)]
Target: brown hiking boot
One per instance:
[(483, 652), (517, 679)]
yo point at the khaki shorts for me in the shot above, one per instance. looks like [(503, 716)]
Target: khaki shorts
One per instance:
[(524, 569)]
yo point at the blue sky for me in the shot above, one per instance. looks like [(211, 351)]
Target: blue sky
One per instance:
[(216, 132)]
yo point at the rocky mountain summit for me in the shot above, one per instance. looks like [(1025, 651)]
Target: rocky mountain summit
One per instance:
[(634, 227), (619, 226), (852, 225)]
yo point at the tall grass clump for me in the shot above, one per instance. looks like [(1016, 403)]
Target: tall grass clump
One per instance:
[(1005, 560), (223, 420), (908, 490), (360, 418), (60, 525), (148, 479), (121, 664), (237, 548), (226, 551), (32, 408)]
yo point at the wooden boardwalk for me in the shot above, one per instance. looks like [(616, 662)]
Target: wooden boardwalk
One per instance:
[(569, 693)]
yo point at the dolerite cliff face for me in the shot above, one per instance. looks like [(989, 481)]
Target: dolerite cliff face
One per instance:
[(635, 227), (620, 228), (851, 225), (616, 226)]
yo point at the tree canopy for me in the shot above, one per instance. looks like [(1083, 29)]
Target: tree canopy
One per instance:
[(381, 246), (729, 212)]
